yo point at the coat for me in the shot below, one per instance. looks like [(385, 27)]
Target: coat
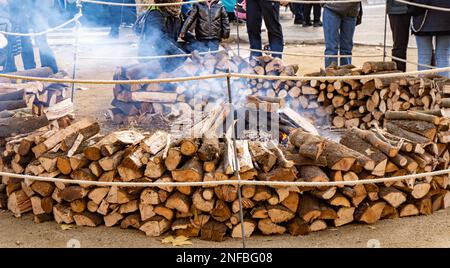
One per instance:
[(396, 8), (344, 9), (210, 22), (434, 22), (160, 36)]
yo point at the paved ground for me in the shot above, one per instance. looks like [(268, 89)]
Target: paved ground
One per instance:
[(417, 232)]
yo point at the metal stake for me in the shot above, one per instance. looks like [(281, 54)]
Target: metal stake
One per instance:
[(385, 31), (76, 48), (236, 162)]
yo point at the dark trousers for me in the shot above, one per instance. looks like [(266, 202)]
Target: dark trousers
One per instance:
[(297, 9), (257, 10), (307, 12), (400, 25)]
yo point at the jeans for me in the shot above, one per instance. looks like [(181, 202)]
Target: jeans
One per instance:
[(441, 49), (338, 31), (400, 33), (257, 10), (204, 45)]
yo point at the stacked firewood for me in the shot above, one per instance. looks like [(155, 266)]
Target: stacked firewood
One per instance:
[(133, 103), (363, 102), (212, 212), (52, 99)]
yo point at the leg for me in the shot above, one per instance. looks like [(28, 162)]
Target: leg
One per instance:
[(254, 22), (298, 13), (307, 14), (331, 25), (424, 50), (443, 53), (347, 31), (27, 53), (271, 15), (213, 45), (317, 13), (400, 25), (46, 53)]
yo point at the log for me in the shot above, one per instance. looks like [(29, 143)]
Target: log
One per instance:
[(12, 104), (87, 219), (345, 216), (393, 196), (213, 231), (298, 226), (191, 171), (63, 214), (155, 226), (18, 125), (249, 227), (179, 202), (267, 227), (411, 115)]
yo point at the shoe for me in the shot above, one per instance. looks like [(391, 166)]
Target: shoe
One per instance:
[(299, 22), (307, 24), (318, 24)]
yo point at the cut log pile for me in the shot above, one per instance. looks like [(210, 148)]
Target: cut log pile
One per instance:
[(212, 212), (342, 104), (50, 99), (363, 102)]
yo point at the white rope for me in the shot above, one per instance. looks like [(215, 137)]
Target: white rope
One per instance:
[(150, 57), (142, 5), (229, 182), (411, 62), (313, 55), (424, 6), (340, 78), (74, 19), (224, 75)]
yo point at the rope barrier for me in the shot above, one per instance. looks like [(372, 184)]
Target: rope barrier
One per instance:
[(150, 57), (115, 82), (74, 19), (313, 55), (424, 6), (229, 182), (224, 75), (411, 62), (142, 5), (340, 78)]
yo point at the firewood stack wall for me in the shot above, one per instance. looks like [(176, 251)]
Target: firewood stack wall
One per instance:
[(342, 104), (211, 212)]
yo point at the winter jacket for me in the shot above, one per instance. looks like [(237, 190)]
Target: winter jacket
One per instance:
[(344, 9), (396, 8), (210, 22), (430, 21), (160, 36)]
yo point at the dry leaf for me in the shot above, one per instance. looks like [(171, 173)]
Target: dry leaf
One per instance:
[(167, 240), (66, 227)]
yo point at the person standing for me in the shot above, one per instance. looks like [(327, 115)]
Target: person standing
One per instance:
[(297, 9), (400, 22), (211, 25), (115, 16), (32, 15), (339, 23), (257, 10), (160, 33), (317, 11), (432, 25)]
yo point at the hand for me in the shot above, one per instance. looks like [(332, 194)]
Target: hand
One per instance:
[(182, 35)]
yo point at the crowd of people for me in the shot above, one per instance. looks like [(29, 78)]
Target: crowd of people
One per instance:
[(180, 29)]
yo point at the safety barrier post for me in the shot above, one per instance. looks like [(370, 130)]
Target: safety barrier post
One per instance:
[(76, 46)]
